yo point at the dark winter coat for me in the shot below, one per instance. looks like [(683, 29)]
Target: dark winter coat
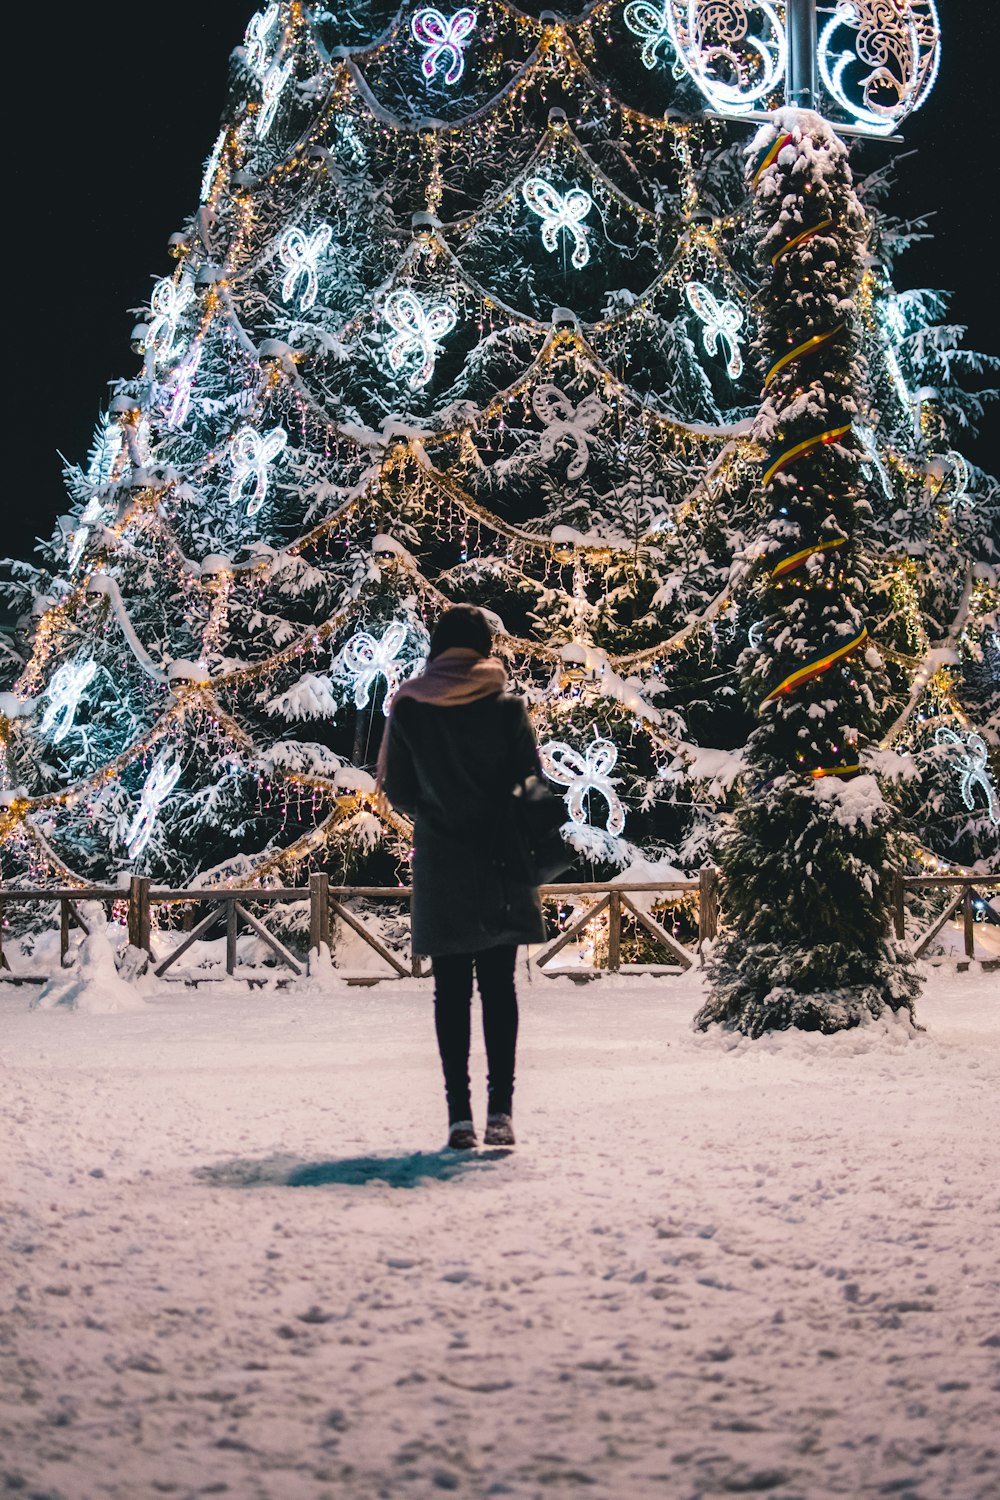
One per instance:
[(452, 769)]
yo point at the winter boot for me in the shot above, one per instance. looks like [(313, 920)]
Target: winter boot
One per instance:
[(462, 1135), (499, 1131)]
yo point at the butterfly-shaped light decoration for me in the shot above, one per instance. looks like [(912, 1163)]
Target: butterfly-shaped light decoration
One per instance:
[(163, 777), (972, 767), (445, 39), (166, 306), (368, 659), (68, 685), (417, 332), (559, 211), (583, 774), (651, 24), (723, 321), (271, 89), (566, 423), (256, 41), (184, 378), (251, 455), (299, 253)]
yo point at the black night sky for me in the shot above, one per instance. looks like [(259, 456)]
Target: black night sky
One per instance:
[(130, 104)]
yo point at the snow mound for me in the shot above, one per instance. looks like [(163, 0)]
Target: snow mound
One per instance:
[(93, 984)]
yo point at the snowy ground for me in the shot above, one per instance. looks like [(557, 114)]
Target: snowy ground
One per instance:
[(234, 1262)]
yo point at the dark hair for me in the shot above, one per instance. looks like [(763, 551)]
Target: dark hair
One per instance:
[(462, 626)]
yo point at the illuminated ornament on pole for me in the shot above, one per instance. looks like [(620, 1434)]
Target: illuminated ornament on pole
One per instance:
[(255, 39), (891, 63), (558, 212), (368, 659), (68, 685), (299, 252), (166, 305), (416, 336), (445, 38), (212, 166), (271, 89), (722, 320), (972, 769), (583, 774), (251, 455), (566, 423), (652, 26), (160, 782), (734, 50), (184, 377)]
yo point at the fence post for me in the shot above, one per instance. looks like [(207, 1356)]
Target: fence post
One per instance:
[(63, 930), (708, 905), (231, 936), (969, 923), (897, 901), (4, 961), (319, 912), (139, 918), (615, 932)]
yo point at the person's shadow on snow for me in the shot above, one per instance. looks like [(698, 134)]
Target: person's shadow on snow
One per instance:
[(351, 1171)]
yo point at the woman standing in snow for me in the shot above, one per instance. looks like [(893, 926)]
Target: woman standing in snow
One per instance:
[(455, 747)]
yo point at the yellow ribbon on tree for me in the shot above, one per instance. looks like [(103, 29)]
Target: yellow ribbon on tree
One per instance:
[(835, 771), (792, 455), (814, 668), (769, 156), (796, 559), (808, 347), (800, 239)]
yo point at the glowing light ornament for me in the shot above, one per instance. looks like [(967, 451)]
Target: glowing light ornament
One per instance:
[(566, 423), (960, 476), (972, 767), (722, 320), (212, 166), (271, 89), (560, 212), (166, 306), (256, 39), (299, 252), (162, 778), (445, 39), (78, 537), (252, 454), (417, 332), (104, 450), (652, 26), (68, 685), (583, 774), (184, 377), (898, 42), (734, 50), (368, 659)]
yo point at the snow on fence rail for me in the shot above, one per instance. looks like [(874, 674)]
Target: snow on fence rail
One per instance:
[(596, 913)]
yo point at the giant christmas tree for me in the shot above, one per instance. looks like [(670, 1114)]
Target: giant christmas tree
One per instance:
[(475, 307)]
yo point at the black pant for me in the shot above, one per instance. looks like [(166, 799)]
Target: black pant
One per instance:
[(494, 969)]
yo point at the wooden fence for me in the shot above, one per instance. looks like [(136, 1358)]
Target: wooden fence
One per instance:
[(605, 909)]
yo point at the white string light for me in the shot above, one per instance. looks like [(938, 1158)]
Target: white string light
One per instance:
[(212, 165), (652, 25), (184, 378), (271, 89), (723, 321), (299, 252), (566, 423), (972, 768), (256, 39), (368, 659), (252, 454), (81, 532), (160, 782), (583, 774), (166, 305), (445, 39), (67, 686), (417, 332), (558, 212)]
